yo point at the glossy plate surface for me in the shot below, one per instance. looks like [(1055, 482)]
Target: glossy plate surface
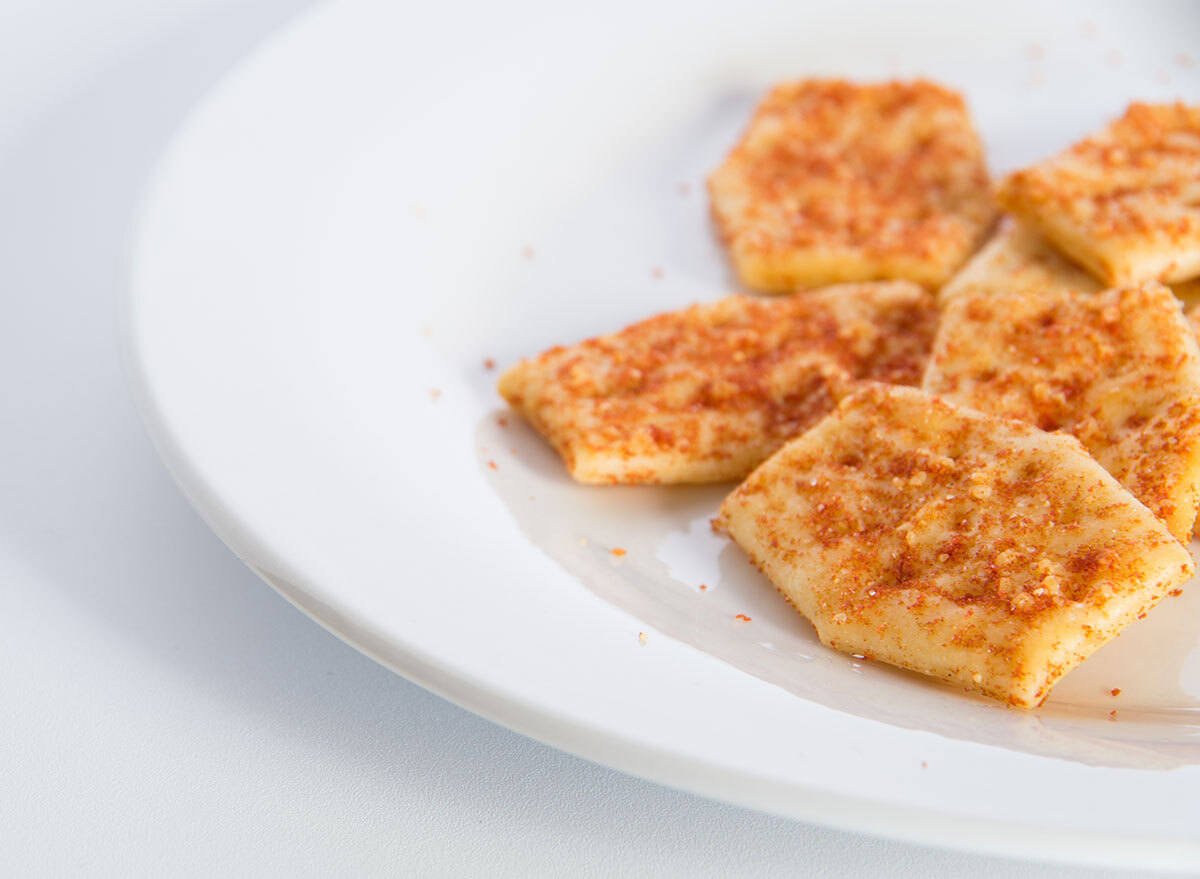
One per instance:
[(383, 202)]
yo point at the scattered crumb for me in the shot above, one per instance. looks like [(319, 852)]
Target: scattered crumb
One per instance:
[(924, 764), (1115, 691), (642, 638), (512, 451), (528, 252), (656, 273), (1175, 593), (703, 588), (1142, 615), (617, 551), (583, 541), (1183, 59), (742, 617), (502, 421), (434, 393), (489, 363), (1112, 715), (492, 464), (715, 524)]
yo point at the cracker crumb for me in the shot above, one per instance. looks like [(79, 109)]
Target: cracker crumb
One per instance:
[(528, 252), (642, 638), (489, 363), (492, 464), (434, 393), (703, 588), (1115, 691), (617, 551), (742, 617), (656, 273)]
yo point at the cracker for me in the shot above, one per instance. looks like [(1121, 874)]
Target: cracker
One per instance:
[(834, 181), (1124, 203), (1119, 369), (705, 394), (967, 547), (1017, 258)]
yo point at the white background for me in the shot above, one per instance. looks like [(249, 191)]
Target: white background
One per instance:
[(165, 713)]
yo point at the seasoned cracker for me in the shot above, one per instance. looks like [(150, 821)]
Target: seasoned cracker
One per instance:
[(705, 394), (1124, 203), (1017, 258), (835, 181), (967, 547), (1119, 369)]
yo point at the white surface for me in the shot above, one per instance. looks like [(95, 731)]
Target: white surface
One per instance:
[(167, 714), (339, 231)]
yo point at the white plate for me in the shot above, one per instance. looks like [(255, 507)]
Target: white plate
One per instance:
[(382, 198)]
